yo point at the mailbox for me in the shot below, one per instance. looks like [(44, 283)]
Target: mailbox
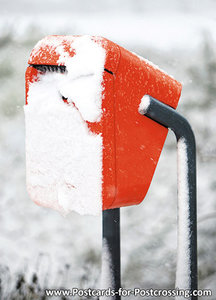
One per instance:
[(131, 144)]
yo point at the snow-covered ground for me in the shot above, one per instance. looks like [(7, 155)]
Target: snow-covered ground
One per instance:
[(66, 251)]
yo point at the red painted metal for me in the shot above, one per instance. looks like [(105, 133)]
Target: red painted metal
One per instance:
[(132, 143)]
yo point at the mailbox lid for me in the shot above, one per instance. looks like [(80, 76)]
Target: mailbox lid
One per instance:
[(48, 50)]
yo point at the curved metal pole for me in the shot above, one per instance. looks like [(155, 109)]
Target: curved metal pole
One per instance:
[(186, 273)]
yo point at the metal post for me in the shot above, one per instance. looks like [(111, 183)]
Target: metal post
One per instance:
[(111, 264), (187, 217)]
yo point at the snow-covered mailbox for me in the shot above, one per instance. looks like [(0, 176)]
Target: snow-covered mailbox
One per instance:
[(87, 146)]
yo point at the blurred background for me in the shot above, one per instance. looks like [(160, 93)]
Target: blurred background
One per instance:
[(41, 249)]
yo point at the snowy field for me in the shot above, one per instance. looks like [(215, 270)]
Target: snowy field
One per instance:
[(66, 251)]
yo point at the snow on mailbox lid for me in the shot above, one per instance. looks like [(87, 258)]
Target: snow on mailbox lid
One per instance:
[(87, 146)]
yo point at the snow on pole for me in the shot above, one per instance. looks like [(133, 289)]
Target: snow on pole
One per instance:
[(144, 104), (107, 276), (183, 253)]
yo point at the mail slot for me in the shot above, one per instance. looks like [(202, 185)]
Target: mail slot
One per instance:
[(130, 144)]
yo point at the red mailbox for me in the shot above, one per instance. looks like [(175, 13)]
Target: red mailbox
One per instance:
[(132, 143)]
